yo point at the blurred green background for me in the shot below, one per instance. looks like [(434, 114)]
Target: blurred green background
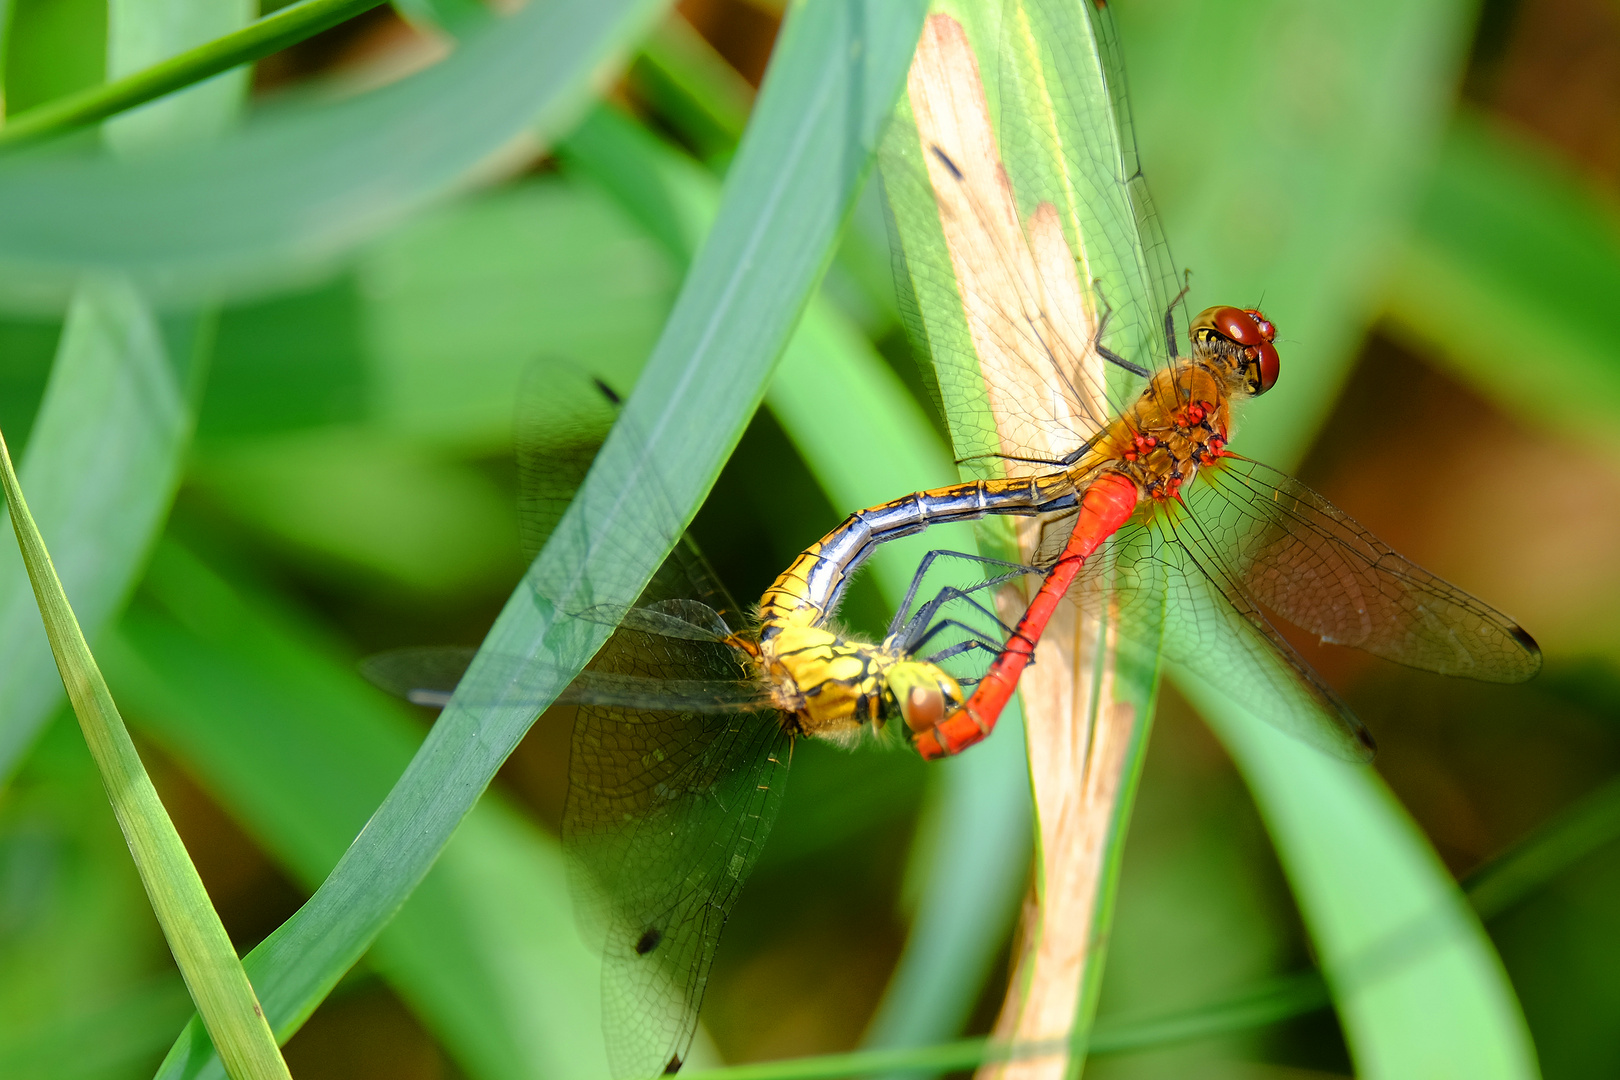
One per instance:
[(1426, 205)]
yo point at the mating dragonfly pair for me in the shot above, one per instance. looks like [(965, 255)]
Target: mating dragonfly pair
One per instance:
[(685, 719)]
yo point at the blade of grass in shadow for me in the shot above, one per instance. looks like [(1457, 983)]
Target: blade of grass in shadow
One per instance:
[(1512, 257), (865, 439), (198, 941), (830, 88), (276, 724), (303, 183)]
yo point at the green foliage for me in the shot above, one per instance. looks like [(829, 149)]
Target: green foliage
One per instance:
[(340, 298)]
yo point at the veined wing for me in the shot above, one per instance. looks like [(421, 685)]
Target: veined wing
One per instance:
[(677, 761), (1166, 592), (428, 675), (1314, 565), (668, 806), (1041, 232)]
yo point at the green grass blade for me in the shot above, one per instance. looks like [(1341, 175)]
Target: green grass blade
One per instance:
[(274, 32), (1418, 988), (1512, 257), (690, 82), (198, 941), (141, 85), (117, 416), (276, 723), (307, 182), (832, 83)]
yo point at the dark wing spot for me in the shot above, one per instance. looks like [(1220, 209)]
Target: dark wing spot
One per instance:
[(1522, 636), (647, 942), (949, 164), (674, 1065), (607, 392)]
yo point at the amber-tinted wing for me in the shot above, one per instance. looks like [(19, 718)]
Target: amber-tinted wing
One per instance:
[(1247, 538), (1314, 565), (1166, 590)]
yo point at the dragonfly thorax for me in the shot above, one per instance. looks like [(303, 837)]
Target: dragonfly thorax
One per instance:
[(1183, 419)]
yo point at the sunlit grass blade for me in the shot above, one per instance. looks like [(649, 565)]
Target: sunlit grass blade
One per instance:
[(307, 182), (1086, 706), (1356, 863), (198, 941), (1511, 257), (276, 723), (831, 86)]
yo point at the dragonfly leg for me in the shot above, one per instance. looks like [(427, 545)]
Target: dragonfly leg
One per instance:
[(901, 618), (976, 639), (1106, 506), (1096, 339), (921, 627)]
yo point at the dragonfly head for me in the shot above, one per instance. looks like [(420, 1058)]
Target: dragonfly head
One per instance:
[(921, 693), (1245, 336)]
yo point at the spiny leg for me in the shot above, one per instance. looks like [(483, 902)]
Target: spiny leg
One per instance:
[(1106, 506)]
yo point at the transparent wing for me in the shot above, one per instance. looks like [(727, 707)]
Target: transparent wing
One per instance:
[(1167, 590), (429, 674), (677, 760), (1043, 241), (1068, 139), (1314, 565), (666, 813), (563, 415)]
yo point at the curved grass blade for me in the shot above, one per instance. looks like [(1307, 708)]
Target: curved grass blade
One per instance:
[(831, 85), (201, 948), (117, 415), (104, 456), (275, 724), (1416, 983), (299, 186)]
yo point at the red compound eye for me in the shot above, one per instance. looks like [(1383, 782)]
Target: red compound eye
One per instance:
[(1270, 365), (1254, 332), (1231, 323)]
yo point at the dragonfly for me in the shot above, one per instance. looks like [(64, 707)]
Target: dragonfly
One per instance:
[(686, 718), (684, 726), (1188, 547)]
